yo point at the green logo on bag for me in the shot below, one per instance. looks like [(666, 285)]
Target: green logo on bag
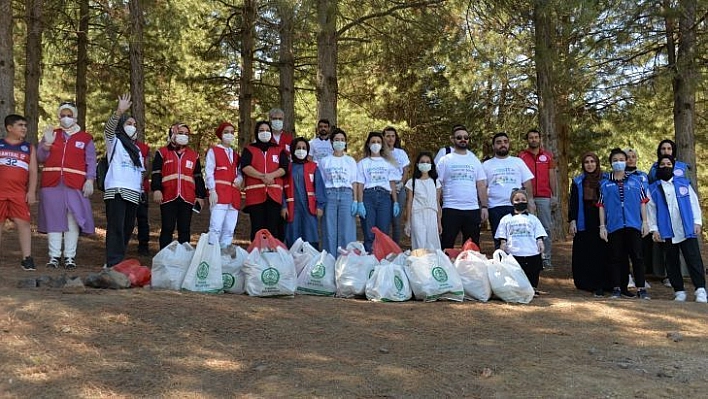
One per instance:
[(203, 271), (371, 272), (318, 271), (270, 276), (439, 274), (398, 283), (229, 280)]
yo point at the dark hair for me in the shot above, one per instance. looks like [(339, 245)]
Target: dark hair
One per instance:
[(616, 151), (500, 134), (532, 130), (258, 125), (293, 145), (417, 174), (385, 153), (338, 131), (666, 156), (13, 118), (673, 148), (397, 143), (324, 121), (458, 127)]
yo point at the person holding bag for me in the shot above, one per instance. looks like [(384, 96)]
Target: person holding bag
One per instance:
[(123, 180), (223, 182)]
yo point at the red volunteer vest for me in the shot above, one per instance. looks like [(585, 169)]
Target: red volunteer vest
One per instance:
[(145, 151), (225, 173), (256, 191), (309, 176), (540, 166), (286, 139), (67, 160), (178, 175)]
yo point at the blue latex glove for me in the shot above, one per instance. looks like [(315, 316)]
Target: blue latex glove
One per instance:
[(396, 209), (361, 210), (354, 208)]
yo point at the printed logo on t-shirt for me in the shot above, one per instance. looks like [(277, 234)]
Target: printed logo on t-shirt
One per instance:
[(543, 158), (338, 174), (460, 172), (683, 190), (24, 148), (378, 174)]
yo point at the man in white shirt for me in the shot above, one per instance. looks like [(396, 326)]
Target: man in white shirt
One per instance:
[(393, 143), (675, 221), (320, 146), (504, 174), (464, 185)]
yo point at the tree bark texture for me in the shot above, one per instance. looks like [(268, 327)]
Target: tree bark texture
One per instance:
[(684, 85), (286, 65), (327, 60), (82, 61), (7, 62), (137, 85), (245, 97), (33, 60)]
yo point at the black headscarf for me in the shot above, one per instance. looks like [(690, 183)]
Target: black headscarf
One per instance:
[(128, 144)]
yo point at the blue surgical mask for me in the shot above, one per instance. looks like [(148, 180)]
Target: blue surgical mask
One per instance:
[(339, 145), (619, 166)]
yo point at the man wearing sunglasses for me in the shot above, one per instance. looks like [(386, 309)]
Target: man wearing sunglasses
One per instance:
[(464, 185)]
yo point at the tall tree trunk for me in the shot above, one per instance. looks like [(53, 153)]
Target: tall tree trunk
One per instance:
[(327, 60), (137, 86), (287, 64), (7, 62), (545, 58), (245, 97), (33, 59), (684, 86), (82, 61)]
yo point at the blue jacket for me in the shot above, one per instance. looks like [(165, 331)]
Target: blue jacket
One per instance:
[(680, 170), (618, 214), (682, 187), (580, 222)]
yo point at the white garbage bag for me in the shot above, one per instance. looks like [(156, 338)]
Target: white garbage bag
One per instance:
[(232, 259), (508, 280), (472, 268), (317, 277), (204, 273), (303, 253), (352, 270), (388, 283), (170, 265), (432, 276), (270, 273)]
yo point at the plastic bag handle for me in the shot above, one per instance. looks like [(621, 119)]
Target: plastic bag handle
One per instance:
[(499, 254)]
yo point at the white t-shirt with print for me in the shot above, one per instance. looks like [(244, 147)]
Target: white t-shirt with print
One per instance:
[(376, 172), (319, 149), (402, 158), (503, 176), (338, 171), (520, 232), (458, 175)]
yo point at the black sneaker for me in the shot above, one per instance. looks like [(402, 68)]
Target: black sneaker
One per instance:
[(28, 263), (69, 263), (643, 294), (616, 293), (628, 294), (54, 262), (599, 293)]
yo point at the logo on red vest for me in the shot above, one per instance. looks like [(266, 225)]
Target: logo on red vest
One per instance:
[(543, 158), (80, 144)]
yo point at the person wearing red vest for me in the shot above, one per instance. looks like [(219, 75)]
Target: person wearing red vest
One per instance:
[(281, 138), (141, 215), (264, 164), (177, 184), (305, 197), (69, 157), (545, 194), (223, 181)]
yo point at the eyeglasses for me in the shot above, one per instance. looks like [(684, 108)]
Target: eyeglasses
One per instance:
[(462, 138)]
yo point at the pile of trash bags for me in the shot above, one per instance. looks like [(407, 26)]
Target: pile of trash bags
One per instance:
[(268, 268)]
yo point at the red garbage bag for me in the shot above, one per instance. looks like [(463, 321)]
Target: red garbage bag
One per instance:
[(470, 246), (383, 245), (452, 253), (265, 240), (138, 275)]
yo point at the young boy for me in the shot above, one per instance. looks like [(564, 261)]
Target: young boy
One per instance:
[(18, 168)]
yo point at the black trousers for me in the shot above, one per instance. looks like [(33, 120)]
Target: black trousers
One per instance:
[(692, 254), (622, 243), (266, 215), (143, 222), (532, 266), (176, 213), (495, 216), (120, 215), (455, 220)]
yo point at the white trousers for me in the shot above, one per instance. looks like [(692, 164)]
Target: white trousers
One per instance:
[(71, 240), (222, 224)]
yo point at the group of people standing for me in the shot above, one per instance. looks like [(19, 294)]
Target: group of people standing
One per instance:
[(624, 213)]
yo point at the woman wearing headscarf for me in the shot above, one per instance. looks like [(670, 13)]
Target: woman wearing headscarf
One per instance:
[(123, 180), (589, 250), (668, 147)]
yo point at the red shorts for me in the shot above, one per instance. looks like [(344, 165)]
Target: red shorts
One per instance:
[(14, 208)]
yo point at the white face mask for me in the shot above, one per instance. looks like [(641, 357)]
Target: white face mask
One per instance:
[(131, 131), (181, 139), (424, 167), (66, 122), (339, 145), (277, 125), (375, 148), (264, 136), (300, 154), (227, 138)]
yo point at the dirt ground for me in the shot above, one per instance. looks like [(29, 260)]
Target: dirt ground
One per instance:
[(149, 343)]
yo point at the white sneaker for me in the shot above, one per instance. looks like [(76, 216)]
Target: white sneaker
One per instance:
[(631, 284), (680, 296), (701, 295), (666, 282)]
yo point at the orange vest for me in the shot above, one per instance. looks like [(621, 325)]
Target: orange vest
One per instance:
[(225, 174), (310, 168), (178, 175), (256, 190), (67, 160)]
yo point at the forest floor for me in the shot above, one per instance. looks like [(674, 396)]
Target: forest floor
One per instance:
[(149, 343)]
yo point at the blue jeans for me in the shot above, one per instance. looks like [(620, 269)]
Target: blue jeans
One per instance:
[(379, 212), (495, 216), (339, 224)]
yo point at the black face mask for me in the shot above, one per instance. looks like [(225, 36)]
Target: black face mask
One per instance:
[(665, 173), (521, 206)]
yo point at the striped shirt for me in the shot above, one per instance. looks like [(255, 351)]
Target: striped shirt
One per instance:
[(109, 132)]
